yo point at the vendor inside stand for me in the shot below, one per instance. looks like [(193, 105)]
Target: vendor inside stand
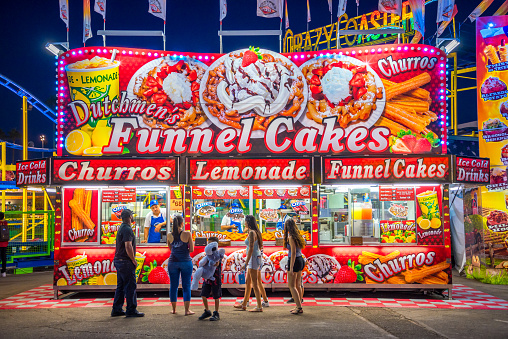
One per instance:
[(234, 220), (155, 221)]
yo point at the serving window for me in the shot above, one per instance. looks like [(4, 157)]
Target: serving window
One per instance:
[(221, 211), (379, 214)]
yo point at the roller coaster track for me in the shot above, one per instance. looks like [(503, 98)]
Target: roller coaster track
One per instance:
[(20, 91)]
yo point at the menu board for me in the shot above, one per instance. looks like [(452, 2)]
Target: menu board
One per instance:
[(257, 192), (390, 193), (119, 195)]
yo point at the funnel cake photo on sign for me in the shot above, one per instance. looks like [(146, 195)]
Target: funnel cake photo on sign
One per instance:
[(236, 260), (252, 83), (343, 87), (174, 85)]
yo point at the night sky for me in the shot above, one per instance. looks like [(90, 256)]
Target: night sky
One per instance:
[(191, 26)]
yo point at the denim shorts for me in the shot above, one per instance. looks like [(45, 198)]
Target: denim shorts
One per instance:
[(255, 263)]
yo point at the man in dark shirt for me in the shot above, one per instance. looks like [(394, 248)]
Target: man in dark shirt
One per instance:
[(125, 263)]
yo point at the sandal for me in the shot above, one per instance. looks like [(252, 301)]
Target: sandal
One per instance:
[(297, 310), (255, 309), (240, 306)]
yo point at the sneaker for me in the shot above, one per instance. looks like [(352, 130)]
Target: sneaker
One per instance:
[(205, 315), (265, 304), (290, 301), (215, 316)]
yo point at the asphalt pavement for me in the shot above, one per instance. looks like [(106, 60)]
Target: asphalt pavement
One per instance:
[(274, 322)]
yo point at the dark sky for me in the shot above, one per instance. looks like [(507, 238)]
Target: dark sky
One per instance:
[(192, 26)]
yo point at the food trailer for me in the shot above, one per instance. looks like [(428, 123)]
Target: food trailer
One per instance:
[(349, 143)]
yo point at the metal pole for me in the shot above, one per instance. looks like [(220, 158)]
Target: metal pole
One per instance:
[(220, 37), (25, 157), (338, 34), (455, 94), (45, 198), (164, 35), (33, 215), (280, 37), (104, 37), (4, 170), (68, 47)]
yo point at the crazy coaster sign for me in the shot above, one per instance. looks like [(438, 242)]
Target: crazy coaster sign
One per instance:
[(114, 171), (33, 172), (433, 169), (359, 101), (249, 171)]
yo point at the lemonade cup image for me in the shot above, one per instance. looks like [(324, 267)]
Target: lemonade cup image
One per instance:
[(140, 259), (91, 81), (76, 262), (429, 204)]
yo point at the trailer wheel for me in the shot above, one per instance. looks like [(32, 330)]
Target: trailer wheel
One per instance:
[(236, 292)]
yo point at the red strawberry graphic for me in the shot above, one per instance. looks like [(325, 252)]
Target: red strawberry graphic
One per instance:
[(422, 146), (251, 56), (409, 140), (348, 274), (154, 274)]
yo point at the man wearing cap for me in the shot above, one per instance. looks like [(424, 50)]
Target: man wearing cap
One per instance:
[(234, 220), (154, 221), (125, 264)]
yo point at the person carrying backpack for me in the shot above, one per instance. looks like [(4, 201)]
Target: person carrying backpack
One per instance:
[(4, 241)]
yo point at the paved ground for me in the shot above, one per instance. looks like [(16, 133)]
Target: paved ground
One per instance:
[(275, 322)]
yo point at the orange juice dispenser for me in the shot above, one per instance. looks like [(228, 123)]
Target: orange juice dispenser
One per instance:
[(361, 207)]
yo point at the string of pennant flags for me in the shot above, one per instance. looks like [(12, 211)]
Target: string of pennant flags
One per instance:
[(446, 11)]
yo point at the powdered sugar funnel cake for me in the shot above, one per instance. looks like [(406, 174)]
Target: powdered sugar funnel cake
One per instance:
[(252, 83), (324, 267)]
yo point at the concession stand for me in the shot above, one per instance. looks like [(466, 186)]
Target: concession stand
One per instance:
[(349, 143)]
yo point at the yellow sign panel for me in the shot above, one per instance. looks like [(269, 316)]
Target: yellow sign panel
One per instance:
[(325, 37)]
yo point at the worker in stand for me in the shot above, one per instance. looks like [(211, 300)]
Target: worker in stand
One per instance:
[(155, 220), (234, 220)]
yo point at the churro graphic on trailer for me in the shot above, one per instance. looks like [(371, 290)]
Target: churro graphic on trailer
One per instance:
[(82, 225)]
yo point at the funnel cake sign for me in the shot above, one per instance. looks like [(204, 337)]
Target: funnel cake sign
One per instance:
[(248, 171), (433, 169), (353, 101)]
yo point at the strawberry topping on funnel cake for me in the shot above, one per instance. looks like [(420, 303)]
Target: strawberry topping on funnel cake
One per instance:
[(324, 267)]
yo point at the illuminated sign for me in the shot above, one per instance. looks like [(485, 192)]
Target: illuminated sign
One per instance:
[(326, 37)]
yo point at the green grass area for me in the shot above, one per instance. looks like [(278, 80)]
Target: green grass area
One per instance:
[(482, 276)]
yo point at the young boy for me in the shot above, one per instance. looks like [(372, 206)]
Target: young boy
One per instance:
[(214, 288)]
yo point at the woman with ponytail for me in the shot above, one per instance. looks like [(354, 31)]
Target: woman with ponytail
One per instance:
[(180, 264), (294, 242), (254, 259)]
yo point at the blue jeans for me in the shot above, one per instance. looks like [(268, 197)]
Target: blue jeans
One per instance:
[(125, 286), (174, 270)]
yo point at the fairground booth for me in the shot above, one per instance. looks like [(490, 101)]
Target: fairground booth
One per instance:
[(350, 143)]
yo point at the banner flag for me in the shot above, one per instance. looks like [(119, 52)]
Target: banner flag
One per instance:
[(342, 8), (418, 9), (87, 22), (308, 11), (270, 8), (157, 8), (223, 9), (482, 7), (64, 15), (100, 7), (287, 15), (390, 6), (445, 9), (330, 6), (445, 24)]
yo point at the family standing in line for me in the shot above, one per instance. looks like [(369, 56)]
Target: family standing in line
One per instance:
[(180, 268)]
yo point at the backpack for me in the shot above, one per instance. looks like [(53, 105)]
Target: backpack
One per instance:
[(4, 231)]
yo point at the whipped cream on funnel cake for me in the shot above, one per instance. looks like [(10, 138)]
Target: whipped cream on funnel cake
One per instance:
[(262, 87)]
